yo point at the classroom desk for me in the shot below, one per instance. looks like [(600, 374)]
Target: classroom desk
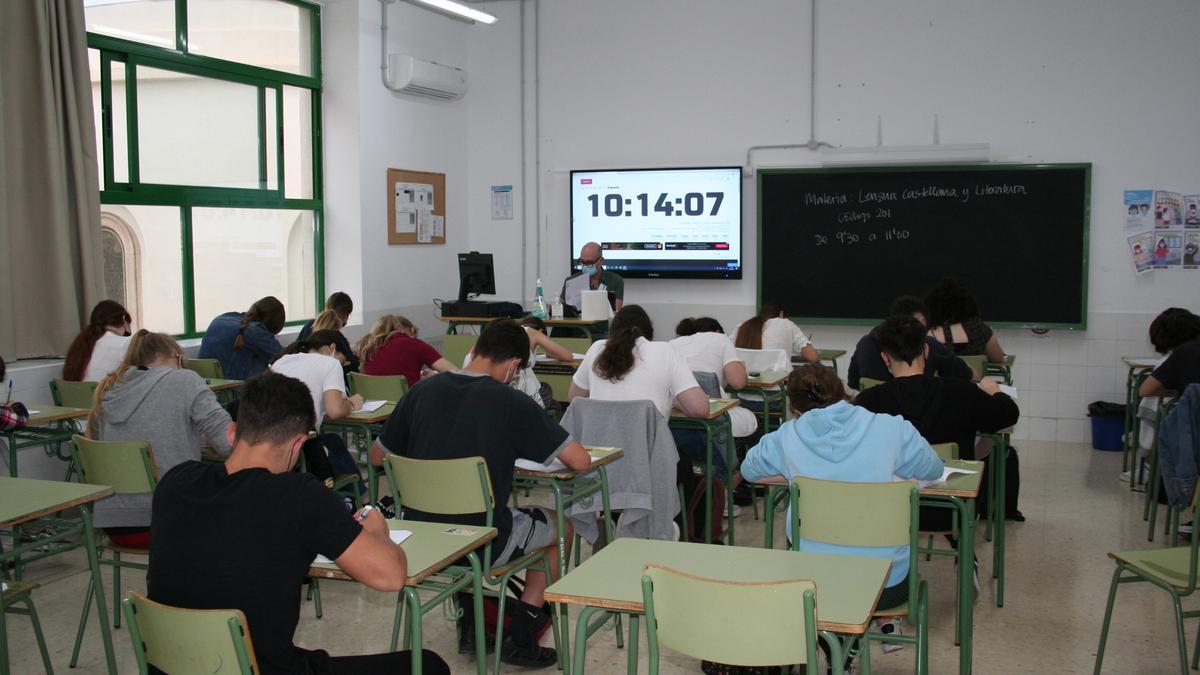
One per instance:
[(586, 325), (1138, 369), (1002, 369), (830, 355), (960, 491), (610, 582), (25, 499), (996, 461), (226, 390), (49, 428), (770, 386), (716, 424), (432, 548), (364, 426)]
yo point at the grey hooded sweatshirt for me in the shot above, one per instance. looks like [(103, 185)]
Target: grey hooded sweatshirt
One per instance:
[(171, 408)]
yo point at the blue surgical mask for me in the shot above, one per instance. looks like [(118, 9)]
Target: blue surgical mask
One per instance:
[(589, 270)]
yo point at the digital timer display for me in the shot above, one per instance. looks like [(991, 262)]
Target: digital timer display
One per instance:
[(661, 223)]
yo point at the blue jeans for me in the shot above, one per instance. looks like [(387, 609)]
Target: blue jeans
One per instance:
[(690, 443)]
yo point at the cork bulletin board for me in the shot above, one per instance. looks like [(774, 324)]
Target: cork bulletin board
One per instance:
[(416, 207)]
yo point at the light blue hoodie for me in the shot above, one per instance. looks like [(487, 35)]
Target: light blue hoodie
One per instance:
[(847, 443)]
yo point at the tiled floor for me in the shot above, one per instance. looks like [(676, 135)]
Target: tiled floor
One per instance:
[(1058, 576)]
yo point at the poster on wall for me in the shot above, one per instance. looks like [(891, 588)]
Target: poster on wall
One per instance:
[(1137, 209), (1191, 215), (1191, 250), (1168, 209), (1140, 246), (1168, 249)]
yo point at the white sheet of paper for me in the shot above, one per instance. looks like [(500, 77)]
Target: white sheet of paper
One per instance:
[(398, 537), (406, 220), (554, 465), (1010, 390), (33, 412), (541, 358), (424, 227), (575, 288), (371, 406), (946, 473)]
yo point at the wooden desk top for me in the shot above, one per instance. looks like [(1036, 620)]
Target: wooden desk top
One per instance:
[(716, 408), (767, 379), (49, 414), (848, 586), (24, 499), (600, 457), (548, 322), (958, 485), (1140, 361), (222, 385), (429, 550)]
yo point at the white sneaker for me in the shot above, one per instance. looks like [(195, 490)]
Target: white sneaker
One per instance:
[(737, 510), (1124, 476), (889, 627), (675, 525)]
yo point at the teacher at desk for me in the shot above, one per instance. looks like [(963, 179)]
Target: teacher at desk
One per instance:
[(592, 263)]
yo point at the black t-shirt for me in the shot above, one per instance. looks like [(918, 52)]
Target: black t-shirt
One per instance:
[(866, 362), (944, 410), (457, 415), (245, 541), (1181, 368)]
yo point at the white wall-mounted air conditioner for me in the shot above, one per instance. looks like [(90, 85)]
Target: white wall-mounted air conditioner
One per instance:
[(426, 78)]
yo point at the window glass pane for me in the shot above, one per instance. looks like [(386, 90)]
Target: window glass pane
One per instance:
[(119, 128), (114, 266), (150, 22), (196, 130), (152, 262), (271, 138), (297, 143), (242, 255), (265, 33)]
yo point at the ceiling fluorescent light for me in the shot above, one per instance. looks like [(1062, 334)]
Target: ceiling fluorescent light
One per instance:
[(458, 10), (954, 153)]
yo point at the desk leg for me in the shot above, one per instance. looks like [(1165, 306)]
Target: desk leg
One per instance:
[(632, 663), (730, 457), (11, 441), (581, 637), (451, 328), (414, 627), (89, 543), (837, 654), (477, 601), (559, 523), (966, 584), (998, 514), (769, 508), (606, 503)]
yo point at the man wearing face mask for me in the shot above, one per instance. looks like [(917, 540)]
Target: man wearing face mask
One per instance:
[(474, 413), (591, 264)]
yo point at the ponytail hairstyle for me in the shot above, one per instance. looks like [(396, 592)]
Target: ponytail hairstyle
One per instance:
[(385, 327), (749, 335), (145, 348), (341, 303), (106, 313), (267, 311), (629, 324), (328, 320), (813, 386), (318, 339)]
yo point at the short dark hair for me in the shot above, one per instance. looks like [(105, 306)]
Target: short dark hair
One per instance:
[(534, 322), (814, 385), (950, 302), (901, 337), (503, 340), (341, 303), (908, 304), (1173, 327), (274, 408), (699, 324)]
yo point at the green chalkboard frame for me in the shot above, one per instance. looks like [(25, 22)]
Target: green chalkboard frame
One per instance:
[(998, 166)]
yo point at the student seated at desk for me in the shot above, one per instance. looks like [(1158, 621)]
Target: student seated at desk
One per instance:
[(771, 329), (13, 414), (706, 349), (940, 359), (244, 342), (243, 534), (473, 413), (954, 321), (1175, 332), (943, 409), (526, 380), (340, 304), (152, 397), (833, 439), (399, 352), (330, 320), (100, 346), (314, 362)]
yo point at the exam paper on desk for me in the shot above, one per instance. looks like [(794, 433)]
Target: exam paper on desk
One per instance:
[(398, 537), (946, 473), (553, 466), (371, 406)]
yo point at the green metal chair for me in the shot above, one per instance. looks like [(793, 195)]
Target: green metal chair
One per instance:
[(189, 641), (209, 369), (19, 593), (128, 466), (1171, 569), (456, 347), (948, 452), (379, 387), (868, 514), (865, 383), (69, 394), (976, 364), (458, 487), (759, 623)]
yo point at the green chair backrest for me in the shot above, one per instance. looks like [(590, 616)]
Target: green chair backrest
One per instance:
[(443, 486), (739, 623), (560, 385), (128, 466), (189, 641), (854, 514), (865, 383), (73, 394), (976, 365), (947, 451), (379, 387), (456, 347), (209, 369)]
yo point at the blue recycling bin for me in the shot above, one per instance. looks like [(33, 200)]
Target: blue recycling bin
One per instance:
[(1108, 426)]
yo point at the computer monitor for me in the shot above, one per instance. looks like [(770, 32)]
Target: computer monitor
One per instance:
[(476, 275)]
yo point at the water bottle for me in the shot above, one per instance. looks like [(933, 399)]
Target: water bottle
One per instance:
[(539, 302), (556, 310)]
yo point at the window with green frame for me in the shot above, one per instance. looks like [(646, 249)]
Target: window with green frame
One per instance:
[(208, 133)]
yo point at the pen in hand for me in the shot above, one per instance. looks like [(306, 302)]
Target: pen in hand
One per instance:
[(361, 515)]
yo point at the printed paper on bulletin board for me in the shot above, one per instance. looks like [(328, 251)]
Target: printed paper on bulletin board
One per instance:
[(416, 207)]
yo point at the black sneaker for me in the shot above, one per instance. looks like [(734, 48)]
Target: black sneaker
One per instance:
[(466, 639), (387, 507), (529, 655), (743, 495)]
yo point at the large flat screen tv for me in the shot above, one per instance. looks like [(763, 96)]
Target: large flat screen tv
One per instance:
[(682, 223)]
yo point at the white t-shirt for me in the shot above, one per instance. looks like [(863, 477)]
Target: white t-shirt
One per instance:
[(107, 354), (318, 372), (659, 374), (782, 334), (709, 353)]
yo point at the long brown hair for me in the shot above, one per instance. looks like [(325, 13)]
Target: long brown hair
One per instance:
[(328, 320), (145, 348), (749, 335), (813, 386), (267, 311), (385, 327), (617, 359), (318, 339), (106, 313)]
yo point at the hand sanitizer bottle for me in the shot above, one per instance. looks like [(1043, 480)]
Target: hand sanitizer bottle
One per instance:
[(539, 302)]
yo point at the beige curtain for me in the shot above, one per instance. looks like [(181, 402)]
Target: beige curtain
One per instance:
[(50, 257)]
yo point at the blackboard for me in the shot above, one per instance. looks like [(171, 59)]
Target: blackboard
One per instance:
[(837, 245)]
